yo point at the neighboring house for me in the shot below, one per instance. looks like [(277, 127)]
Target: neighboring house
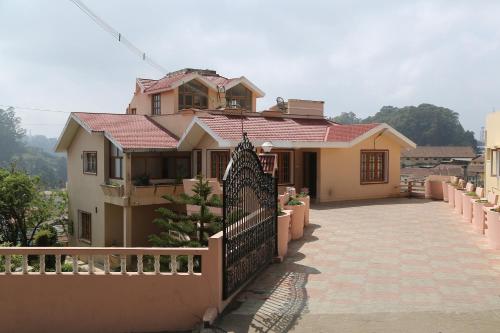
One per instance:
[(416, 173), (187, 123), (475, 171), (434, 155), (492, 153)]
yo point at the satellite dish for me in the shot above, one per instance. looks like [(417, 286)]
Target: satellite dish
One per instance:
[(280, 102)]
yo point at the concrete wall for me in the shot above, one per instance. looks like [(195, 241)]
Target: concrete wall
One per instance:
[(113, 225), (99, 302), (492, 183), (84, 190), (339, 172), (142, 224)]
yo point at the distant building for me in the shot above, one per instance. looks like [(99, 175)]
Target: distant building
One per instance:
[(434, 155)]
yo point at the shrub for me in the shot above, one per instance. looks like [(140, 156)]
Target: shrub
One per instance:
[(472, 194), (142, 180), (47, 237), (294, 202)]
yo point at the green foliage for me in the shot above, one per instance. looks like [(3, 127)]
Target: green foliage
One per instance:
[(426, 124), (280, 210), (294, 202), (33, 154), (24, 207), (472, 194), (11, 134), (142, 180), (347, 118), (180, 230), (67, 267), (15, 260)]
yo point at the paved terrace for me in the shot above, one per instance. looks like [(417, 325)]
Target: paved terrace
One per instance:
[(377, 266)]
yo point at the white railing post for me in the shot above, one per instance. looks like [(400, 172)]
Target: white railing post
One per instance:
[(7, 264), (123, 264), (75, 263), (25, 264), (157, 264), (58, 264), (190, 265), (140, 264), (91, 264), (106, 264), (42, 263), (173, 264)]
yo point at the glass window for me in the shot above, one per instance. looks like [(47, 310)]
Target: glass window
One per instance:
[(156, 107), (90, 162), (193, 94), (115, 162), (177, 167), (218, 161), (197, 162), (241, 95), (373, 166)]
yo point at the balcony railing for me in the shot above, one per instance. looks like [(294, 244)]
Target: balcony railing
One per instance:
[(140, 195)]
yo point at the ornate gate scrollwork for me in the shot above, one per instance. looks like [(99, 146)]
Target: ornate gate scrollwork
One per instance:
[(249, 218)]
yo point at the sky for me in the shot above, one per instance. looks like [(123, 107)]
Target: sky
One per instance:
[(355, 55)]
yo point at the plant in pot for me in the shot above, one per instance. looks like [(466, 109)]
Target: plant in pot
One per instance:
[(493, 227), (143, 180), (298, 213), (306, 199), (444, 184), (468, 199), (459, 197), (283, 231)]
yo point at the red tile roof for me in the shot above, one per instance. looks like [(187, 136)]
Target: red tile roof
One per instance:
[(228, 127), (131, 132)]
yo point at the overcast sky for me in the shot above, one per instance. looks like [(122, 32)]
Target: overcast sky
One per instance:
[(355, 55)]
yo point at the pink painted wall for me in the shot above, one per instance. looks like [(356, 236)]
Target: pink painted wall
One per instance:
[(112, 302)]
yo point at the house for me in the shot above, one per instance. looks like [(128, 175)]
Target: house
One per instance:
[(187, 123), (475, 171), (434, 155), (492, 153)]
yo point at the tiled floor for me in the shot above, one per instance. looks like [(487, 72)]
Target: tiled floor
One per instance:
[(377, 266)]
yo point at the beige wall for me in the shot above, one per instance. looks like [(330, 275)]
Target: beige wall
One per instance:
[(492, 182), (84, 190), (113, 225), (142, 224), (339, 174)]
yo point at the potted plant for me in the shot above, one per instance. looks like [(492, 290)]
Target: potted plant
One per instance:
[(493, 227), (468, 199), (478, 214), (306, 199), (451, 194), (298, 212), (283, 231), (142, 186), (458, 198), (445, 190)]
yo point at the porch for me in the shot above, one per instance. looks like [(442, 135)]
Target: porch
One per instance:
[(387, 265)]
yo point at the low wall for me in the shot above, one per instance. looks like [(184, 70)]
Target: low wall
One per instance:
[(434, 187), (104, 301)]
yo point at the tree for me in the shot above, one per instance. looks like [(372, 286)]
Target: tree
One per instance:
[(188, 230), (24, 208), (346, 118), (426, 125), (11, 134)]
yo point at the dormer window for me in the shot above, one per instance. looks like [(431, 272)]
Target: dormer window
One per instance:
[(156, 107), (240, 96), (193, 94)]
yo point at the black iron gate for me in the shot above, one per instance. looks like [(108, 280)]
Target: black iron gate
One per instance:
[(250, 218)]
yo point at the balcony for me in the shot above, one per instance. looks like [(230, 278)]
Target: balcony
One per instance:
[(139, 195)]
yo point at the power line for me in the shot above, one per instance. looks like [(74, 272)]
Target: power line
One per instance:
[(32, 109), (118, 36)]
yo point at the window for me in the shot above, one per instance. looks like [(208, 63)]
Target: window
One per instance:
[(85, 226), (177, 167), (284, 173), (219, 161), (495, 163), (197, 166), (193, 95), (374, 166), (241, 95), (156, 107), (133, 111), (115, 162), (90, 162)]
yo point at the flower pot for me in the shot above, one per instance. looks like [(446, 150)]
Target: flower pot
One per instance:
[(283, 233), (493, 229), (307, 201), (297, 220), (445, 191), (478, 217), (458, 201), (283, 199), (467, 207), (451, 195)]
